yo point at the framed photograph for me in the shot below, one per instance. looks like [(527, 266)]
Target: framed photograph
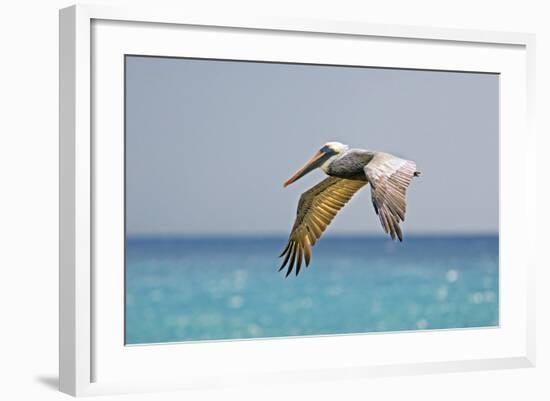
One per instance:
[(278, 200)]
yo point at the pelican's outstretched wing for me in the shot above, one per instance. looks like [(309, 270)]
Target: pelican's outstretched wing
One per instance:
[(389, 177), (316, 209)]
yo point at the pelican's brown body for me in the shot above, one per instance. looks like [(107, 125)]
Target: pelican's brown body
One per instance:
[(351, 165), (349, 170)]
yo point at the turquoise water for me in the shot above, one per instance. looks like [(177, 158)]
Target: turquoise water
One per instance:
[(182, 289)]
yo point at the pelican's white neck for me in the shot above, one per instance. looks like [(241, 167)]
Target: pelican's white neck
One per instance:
[(327, 163)]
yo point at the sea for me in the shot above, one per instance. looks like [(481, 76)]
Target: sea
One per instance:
[(182, 289)]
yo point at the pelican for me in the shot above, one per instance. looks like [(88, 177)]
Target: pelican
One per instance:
[(349, 170)]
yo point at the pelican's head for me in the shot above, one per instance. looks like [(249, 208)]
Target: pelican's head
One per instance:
[(324, 156)]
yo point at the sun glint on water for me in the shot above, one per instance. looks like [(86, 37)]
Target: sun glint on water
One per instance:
[(189, 289)]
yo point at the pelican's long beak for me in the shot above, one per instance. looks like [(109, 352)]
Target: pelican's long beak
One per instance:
[(318, 159)]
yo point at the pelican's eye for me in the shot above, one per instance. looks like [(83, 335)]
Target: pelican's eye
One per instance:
[(328, 150)]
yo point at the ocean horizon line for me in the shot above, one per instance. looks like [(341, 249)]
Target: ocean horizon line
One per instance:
[(267, 236)]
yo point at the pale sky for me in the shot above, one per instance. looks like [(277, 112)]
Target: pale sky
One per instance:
[(210, 143)]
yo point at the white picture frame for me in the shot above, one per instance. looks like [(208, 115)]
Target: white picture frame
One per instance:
[(93, 358)]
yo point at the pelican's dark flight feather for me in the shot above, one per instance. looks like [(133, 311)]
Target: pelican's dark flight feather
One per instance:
[(316, 209)]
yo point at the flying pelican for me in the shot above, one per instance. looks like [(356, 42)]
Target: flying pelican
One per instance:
[(349, 170)]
